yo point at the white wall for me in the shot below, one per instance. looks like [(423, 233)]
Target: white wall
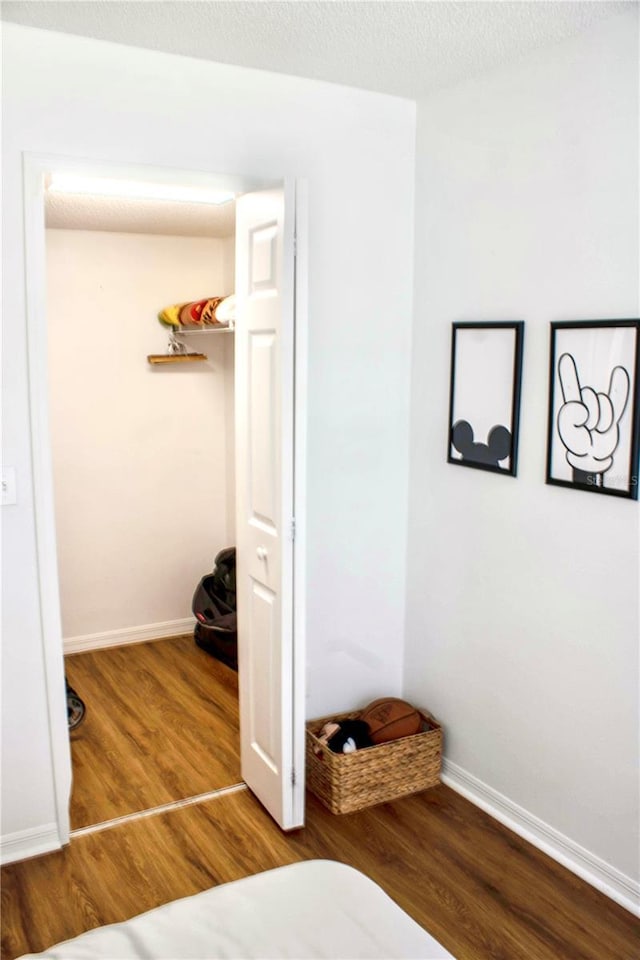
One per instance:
[(82, 98), (522, 611), (229, 262), (139, 451)]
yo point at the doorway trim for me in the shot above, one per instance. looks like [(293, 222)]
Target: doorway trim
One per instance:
[(35, 166)]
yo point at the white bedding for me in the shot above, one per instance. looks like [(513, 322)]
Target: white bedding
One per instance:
[(312, 909)]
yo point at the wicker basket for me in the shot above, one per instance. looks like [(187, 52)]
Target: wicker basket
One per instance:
[(346, 782)]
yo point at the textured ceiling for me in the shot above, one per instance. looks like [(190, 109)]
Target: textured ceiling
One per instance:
[(67, 212), (404, 48)]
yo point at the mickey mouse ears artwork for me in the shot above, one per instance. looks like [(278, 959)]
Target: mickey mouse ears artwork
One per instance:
[(593, 406), (484, 405)]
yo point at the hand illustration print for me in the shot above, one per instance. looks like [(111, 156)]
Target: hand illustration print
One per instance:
[(588, 421)]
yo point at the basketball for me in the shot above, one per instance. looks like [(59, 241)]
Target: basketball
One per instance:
[(390, 719)]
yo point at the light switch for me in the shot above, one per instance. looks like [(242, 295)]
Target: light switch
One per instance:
[(8, 486)]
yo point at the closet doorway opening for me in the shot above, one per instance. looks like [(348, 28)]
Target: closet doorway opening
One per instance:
[(154, 468)]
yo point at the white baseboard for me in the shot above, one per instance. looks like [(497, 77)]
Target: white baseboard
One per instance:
[(117, 638), (29, 843), (610, 881)]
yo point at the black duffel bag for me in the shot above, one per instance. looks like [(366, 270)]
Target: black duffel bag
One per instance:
[(214, 607)]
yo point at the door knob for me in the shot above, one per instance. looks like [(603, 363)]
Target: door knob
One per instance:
[(262, 553)]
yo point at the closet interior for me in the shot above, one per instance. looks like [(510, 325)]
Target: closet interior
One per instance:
[(143, 464)]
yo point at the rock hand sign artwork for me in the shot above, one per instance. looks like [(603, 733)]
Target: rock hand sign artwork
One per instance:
[(593, 409), (486, 362)]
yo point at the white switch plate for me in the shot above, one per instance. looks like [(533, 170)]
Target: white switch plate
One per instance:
[(8, 486)]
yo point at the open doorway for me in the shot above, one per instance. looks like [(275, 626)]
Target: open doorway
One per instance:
[(144, 483), (272, 750)]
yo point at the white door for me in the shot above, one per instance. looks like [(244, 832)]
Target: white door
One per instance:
[(265, 288)]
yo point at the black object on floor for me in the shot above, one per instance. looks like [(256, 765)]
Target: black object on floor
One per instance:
[(76, 709), (214, 607)]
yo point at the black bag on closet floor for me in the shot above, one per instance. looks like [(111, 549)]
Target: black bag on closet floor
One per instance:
[(214, 607)]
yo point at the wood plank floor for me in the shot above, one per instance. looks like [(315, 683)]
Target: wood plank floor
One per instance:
[(161, 725), (484, 893)]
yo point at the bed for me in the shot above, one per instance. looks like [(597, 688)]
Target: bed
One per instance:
[(312, 909)]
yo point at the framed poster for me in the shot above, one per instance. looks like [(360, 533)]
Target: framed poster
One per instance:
[(593, 406), (484, 403)]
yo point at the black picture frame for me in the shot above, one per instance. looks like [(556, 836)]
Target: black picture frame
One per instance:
[(484, 399), (593, 425)]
